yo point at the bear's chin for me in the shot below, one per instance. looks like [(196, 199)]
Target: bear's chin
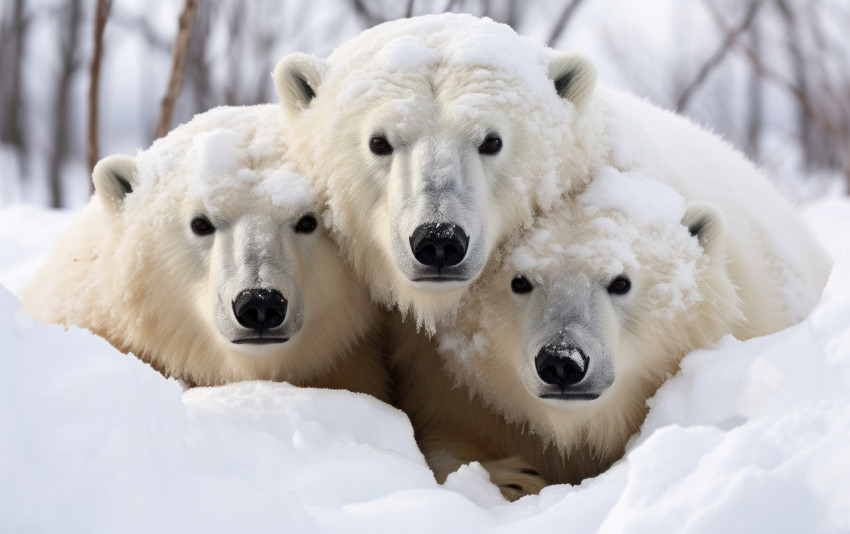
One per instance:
[(440, 284), (570, 402), (259, 347), (260, 341)]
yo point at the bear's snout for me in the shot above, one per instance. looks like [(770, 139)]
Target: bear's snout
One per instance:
[(439, 244), (260, 309), (560, 364)]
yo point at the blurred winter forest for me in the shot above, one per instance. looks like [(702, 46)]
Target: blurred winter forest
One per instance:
[(84, 79)]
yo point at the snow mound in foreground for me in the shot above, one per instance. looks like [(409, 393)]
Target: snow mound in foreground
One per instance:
[(749, 436)]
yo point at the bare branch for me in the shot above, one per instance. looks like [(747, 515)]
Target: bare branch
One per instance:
[(178, 66), (719, 55), (563, 21), (100, 15), (12, 45), (409, 11), (68, 44), (368, 17)]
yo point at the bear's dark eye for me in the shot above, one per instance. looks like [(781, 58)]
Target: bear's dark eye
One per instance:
[(520, 284), (379, 145), (306, 225), (202, 226), (491, 145), (620, 285)]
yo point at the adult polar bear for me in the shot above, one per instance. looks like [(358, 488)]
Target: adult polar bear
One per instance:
[(203, 256), (436, 138)]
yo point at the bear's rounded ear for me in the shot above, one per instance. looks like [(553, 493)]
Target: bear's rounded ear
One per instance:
[(707, 223), (574, 76), (297, 78), (114, 178)]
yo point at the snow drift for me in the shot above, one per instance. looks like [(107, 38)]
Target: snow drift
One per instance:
[(749, 436)]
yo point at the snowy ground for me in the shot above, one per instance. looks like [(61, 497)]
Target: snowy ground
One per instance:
[(749, 437)]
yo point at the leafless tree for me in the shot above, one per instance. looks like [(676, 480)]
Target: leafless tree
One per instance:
[(729, 40), (198, 84), (69, 62), (101, 13), (178, 66), (755, 97), (13, 30)]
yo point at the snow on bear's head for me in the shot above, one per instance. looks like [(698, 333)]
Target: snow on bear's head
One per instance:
[(223, 266), (436, 138), (588, 312)]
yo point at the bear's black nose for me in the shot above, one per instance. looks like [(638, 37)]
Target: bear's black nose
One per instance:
[(259, 309), (439, 244), (560, 364)]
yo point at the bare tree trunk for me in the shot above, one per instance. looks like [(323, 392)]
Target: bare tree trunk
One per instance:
[(804, 124), (178, 65), (236, 27), (369, 18), (512, 19), (563, 22), (197, 71), (11, 61), (100, 16), (755, 91), (68, 65)]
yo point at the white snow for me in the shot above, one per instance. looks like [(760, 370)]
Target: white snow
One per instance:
[(749, 437), (642, 199), (407, 52)]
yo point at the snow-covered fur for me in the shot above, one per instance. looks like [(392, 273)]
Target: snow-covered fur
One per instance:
[(577, 323), (446, 131), (646, 140), (187, 251)]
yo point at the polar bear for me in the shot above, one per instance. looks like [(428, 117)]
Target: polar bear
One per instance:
[(444, 134), (578, 322), (205, 256), (436, 138)]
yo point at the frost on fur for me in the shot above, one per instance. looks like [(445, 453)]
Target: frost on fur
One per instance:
[(440, 137), (205, 257), (617, 286)]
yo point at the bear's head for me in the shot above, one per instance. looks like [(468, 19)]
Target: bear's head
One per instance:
[(436, 138), (584, 316), (224, 269)]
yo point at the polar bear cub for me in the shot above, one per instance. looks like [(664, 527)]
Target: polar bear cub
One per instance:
[(205, 256)]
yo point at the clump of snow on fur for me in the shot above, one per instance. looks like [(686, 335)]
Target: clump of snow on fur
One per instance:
[(217, 159), (532, 253), (288, 191), (461, 347), (679, 293), (407, 53), (462, 39), (641, 198)]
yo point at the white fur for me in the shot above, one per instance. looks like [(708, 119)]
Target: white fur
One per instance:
[(131, 270), (436, 87), (683, 297), (489, 349), (775, 261)]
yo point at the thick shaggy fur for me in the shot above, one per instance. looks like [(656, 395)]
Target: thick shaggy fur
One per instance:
[(435, 87), (765, 230), (130, 269), (683, 297)]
